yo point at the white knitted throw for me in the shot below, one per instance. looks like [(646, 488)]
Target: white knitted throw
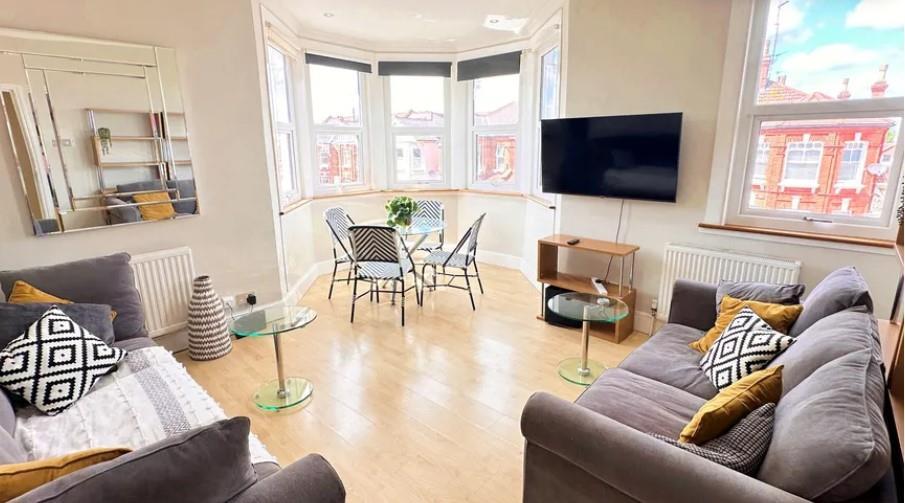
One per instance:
[(149, 398)]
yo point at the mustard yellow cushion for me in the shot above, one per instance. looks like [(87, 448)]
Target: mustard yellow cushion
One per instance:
[(155, 211), (732, 404), (24, 293), (19, 478), (778, 316)]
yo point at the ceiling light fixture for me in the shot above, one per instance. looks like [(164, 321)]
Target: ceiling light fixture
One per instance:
[(328, 14), (505, 23)]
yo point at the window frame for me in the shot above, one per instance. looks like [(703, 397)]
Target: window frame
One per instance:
[(290, 197), (855, 181), (537, 109), (474, 131), (749, 118), (392, 132), (805, 145), (360, 132)]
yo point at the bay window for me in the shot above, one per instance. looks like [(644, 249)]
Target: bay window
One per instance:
[(548, 105), (495, 122), (282, 114), (418, 129), (818, 142)]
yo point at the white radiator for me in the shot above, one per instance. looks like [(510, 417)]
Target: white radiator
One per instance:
[(711, 266), (164, 280)]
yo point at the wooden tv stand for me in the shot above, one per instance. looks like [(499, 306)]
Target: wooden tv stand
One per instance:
[(548, 273)]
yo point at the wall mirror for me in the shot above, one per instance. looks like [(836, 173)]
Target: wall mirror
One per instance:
[(97, 130)]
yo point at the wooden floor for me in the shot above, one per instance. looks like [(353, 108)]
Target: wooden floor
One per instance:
[(425, 413)]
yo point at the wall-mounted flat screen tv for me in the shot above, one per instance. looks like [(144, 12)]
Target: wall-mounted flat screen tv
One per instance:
[(625, 156)]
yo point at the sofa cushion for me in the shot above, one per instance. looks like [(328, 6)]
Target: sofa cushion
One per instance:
[(779, 316), (10, 450), (16, 318), (640, 403), (829, 439), (17, 479), (207, 464), (828, 339), (102, 280), (7, 414), (840, 290), (667, 358), (761, 292)]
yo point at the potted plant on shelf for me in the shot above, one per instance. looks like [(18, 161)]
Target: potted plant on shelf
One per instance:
[(400, 210)]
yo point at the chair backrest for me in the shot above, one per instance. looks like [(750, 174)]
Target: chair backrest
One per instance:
[(374, 243), (473, 236), (429, 208), (338, 222)]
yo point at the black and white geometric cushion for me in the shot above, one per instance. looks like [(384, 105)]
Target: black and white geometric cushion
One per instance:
[(747, 345), (743, 447), (55, 362)]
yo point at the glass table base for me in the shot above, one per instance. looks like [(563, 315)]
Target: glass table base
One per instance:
[(570, 370), (297, 391)]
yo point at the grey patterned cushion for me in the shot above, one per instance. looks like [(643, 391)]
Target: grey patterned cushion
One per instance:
[(747, 345), (383, 270), (743, 447)]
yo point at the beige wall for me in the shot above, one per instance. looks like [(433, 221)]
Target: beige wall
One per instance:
[(234, 239), (651, 56)]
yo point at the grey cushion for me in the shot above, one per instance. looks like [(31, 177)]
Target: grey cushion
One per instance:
[(122, 214), (640, 403), (829, 439), (133, 344), (743, 447), (208, 464), (667, 358), (840, 290), (761, 292), (102, 280), (828, 339), (16, 318), (186, 189), (10, 450), (7, 414)]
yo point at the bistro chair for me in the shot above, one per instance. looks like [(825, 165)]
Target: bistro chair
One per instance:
[(338, 221), (428, 208), (378, 257), (457, 259)]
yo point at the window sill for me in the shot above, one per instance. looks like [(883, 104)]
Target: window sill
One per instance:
[(289, 208), (875, 244)]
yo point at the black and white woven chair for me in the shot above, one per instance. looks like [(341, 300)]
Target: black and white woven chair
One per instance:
[(338, 222), (378, 257), (457, 259), (429, 208)]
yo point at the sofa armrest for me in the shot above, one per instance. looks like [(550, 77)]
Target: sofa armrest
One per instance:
[(309, 480), (693, 304), (120, 214), (635, 463)]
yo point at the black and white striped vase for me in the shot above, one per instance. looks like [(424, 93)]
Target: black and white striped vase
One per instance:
[(208, 334)]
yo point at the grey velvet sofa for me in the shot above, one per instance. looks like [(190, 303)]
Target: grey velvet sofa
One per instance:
[(108, 280), (829, 442)]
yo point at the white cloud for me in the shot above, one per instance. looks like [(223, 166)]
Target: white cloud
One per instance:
[(879, 14), (799, 37), (790, 17), (827, 57)]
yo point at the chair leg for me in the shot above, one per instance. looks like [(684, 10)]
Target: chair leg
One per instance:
[(423, 280), (402, 301), (354, 296), (470, 296), (393, 297), (477, 274), (377, 291), (332, 280), (434, 287)]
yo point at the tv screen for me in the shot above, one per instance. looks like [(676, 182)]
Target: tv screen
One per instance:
[(626, 156)]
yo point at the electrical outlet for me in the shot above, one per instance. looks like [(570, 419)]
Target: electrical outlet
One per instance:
[(241, 299), (229, 301)]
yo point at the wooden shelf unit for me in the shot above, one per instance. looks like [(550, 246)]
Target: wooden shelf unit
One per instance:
[(548, 273)]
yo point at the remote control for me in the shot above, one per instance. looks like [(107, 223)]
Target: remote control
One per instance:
[(573, 242)]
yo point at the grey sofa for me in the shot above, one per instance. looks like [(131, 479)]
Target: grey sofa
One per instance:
[(829, 442), (129, 214), (108, 280)]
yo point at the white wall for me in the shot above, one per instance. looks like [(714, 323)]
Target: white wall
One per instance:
[(651, 56), (234, 238)]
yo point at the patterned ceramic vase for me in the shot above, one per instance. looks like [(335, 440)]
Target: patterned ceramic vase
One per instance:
[(208, 334)]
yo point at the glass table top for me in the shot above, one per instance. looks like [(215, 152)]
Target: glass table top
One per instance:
[(420, 225), (587, 307), (272, 321)]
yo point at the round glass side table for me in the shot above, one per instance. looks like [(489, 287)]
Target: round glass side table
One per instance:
[(585, 308), (284, 391)]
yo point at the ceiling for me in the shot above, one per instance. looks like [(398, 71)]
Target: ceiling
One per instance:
[(419, 25)]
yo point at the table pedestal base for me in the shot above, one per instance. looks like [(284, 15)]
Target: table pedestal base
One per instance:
[(271, 396), (571, 370)]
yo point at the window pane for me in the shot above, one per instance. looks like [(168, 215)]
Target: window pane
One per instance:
[(338, 159), (417, 101), (335, 96), (419, 158), (495, 161), (278, 69), (760, 162), (827, 166), (496, 100), (285, 160), (549, 85), (824, 50)]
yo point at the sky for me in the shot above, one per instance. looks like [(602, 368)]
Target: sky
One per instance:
[(823, 41)]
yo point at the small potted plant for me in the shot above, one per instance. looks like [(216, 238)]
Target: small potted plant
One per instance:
[(400, 210)]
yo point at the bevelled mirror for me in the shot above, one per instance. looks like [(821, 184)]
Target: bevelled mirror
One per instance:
[(97, 129)]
